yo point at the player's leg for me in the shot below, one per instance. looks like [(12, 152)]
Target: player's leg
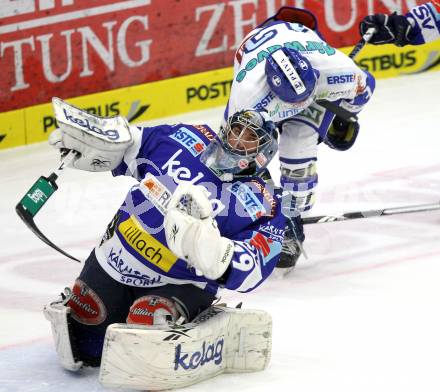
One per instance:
[(167, 304), (169, 355), (298, 151), (80, 319)]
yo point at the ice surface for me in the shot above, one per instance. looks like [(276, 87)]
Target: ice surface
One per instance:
[(362, 314)]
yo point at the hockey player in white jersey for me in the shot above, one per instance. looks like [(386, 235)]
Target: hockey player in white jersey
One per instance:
[(420, 25), (284, 66)]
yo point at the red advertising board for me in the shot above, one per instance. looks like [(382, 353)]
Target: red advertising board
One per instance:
[(69, 48)]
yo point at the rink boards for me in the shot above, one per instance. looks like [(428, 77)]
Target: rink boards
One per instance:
[(192, 92)]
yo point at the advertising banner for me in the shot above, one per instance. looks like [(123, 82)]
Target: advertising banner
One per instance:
[(70, 48), (137, 103), (130, 57), (189, 93)]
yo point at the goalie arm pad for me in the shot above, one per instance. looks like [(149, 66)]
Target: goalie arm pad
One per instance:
[(256, 252), (100, 141)]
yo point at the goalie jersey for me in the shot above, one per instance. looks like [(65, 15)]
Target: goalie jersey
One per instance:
[(248, 211)]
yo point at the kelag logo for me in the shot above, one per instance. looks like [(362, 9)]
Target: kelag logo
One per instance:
[(210, 91), (84, 122), (208, 352), (107, 110)]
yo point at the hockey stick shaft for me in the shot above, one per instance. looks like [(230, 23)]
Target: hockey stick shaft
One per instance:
[(359, 46), (371, 213)]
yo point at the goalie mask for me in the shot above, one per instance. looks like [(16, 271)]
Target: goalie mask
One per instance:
[(291, 77), (244, 146)]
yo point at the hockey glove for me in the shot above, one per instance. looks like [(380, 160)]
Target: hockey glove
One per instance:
[(100, 141), (342, 134), (192, 234), (390, 29)]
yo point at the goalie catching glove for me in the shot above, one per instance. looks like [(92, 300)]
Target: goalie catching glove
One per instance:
[(192, 233), (100, 141)]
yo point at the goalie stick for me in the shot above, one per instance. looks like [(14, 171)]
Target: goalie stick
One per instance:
[(339, 111), (37, 196), (371, 213)]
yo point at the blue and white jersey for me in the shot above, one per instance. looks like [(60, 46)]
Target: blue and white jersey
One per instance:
[(426, 23), (339, 77), (134, 249), (340, 80)]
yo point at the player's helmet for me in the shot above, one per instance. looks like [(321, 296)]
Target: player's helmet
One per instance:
[(244, 146), (291, 77)]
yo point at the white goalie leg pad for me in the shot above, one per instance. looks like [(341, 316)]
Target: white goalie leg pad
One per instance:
[(156, 357), (57, 314)]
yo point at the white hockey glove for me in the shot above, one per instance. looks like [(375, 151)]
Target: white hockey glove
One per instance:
[(192, 233), (101, 141)]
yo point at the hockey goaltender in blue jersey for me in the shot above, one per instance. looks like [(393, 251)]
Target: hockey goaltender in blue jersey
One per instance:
[(133, 250)]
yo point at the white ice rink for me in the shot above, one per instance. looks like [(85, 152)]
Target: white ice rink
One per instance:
[(361, 314)]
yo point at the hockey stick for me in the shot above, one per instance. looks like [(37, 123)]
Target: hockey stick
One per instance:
[(341, 112), (371, 213), (365, 38), (36, 198)]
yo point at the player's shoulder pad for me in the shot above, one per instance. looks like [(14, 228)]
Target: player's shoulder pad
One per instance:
[(194, 138), (187, 131)]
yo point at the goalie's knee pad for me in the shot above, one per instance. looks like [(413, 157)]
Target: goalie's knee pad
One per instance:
[(87, 322), (152, 310), (87, 306), (219, 340), (58, 314)]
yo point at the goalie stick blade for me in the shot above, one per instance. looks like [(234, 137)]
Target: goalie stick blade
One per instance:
[(28, 220), (32, 202)]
